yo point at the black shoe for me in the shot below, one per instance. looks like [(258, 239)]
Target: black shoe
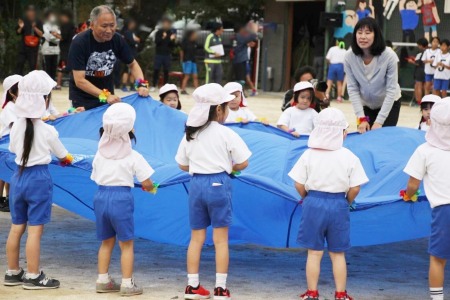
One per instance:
[(40, 283), (2, 202), (183, 92), (5, 205), (12, 280)]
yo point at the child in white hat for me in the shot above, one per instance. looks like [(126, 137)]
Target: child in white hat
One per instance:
[(238, 110), (431, 163), (328, 178), (210, 152), (299, 119), (425, 108), (168, 95), (7, 119), (33, 142), (113, 169)]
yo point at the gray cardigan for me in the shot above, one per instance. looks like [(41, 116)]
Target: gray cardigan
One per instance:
[(381, 91)]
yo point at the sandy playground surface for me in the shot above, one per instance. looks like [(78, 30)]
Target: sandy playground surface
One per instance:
[(69, 252)]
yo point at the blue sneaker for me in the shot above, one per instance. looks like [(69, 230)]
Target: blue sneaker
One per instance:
[(124, 89)]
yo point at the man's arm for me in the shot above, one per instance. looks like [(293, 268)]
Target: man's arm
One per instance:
[(83, 84), (137, 73)]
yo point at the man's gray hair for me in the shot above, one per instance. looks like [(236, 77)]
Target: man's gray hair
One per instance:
[(101, 9)]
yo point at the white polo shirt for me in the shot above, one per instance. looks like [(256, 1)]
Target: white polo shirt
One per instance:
[(329, 171), (432, 165), (442, 72), (46, 141), (430, 54), (300, 119), (7, 117), (213, 150), (120, 172), (242, 112)]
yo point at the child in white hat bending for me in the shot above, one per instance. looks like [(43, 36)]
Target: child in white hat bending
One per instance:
[(114, 167), (33, 142), (328, 178), (210, 152), (431, 163)]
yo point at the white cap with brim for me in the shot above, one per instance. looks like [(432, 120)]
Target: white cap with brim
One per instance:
[(438, 135), (303, 85), (8, 82), (328, 133), (168, 88), (32, 88), (206, 96), (232, 87), (431, 99)]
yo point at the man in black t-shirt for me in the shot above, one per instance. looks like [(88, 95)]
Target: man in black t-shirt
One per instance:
[(30, 29), (92, 56)]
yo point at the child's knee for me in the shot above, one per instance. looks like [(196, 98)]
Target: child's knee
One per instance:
[(438, 260), (126, 245)]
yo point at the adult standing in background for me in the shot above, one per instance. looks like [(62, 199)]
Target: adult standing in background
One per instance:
[(50, 46), (372, 76), (165, 41), (92, 56), (128, 33), (67, 32), (188, 53), (244, 35), (30, 29), (214, 51)]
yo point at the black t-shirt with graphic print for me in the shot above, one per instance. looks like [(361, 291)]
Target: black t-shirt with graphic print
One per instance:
[(97, 60)]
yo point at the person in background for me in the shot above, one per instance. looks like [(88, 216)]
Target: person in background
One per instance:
[(319, 49), (50, 47), (364, 10), (442, 74), (244, 35), (213, 61), (128, 33), (419, 70), (168, 95), (425, 109), (30, 29), (428, 59), (335, 58), (67, 32), (165, 41), (187, 57), (238, 111), (249, 69)]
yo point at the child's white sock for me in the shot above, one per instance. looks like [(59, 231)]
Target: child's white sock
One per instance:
[(221, 280), (103, 278), (437, 293), (127, 282), (14, 272), (193, 280), (31, 276)]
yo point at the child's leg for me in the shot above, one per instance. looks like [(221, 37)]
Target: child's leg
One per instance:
[(313, 269), (13, 246), (418, 91), (184, 82), (436, 274), (339, 89), (339, 270), (2, 187), (195, 80), (33, 248), (104, 255), (195, 250), (443, 93), (220, 237), (127, 258), (329, 85), (6, 189)]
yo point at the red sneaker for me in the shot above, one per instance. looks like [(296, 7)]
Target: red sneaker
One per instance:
[(221, 294), (310, 295), (342, 296), (196, 293)]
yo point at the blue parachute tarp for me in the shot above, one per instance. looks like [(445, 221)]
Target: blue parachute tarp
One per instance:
[(266, 209)]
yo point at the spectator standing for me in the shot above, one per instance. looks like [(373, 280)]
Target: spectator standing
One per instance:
[(165, 41), (67, 32), (50, 46), (244, 35), (187, 58), (30, 29), (128, 33), (214, 51)]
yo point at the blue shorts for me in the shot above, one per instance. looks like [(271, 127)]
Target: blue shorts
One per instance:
[(189, 67), (426, 28), (325, 217), (114, 209), (441, 84), (336, 72), (210, 201), (439, 244), (429, 77), (30, 196)]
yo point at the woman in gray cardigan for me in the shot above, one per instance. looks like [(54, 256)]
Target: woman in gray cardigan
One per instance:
[(372, 78)]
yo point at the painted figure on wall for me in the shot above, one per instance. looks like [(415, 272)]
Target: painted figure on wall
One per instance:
[(410, 19), (344, 33), (430, 17), (364, 10), (389, 7)]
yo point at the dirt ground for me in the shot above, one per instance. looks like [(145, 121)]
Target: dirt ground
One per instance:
[(394, 271)]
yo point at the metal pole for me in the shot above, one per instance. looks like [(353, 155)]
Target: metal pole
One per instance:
[(258, 52)]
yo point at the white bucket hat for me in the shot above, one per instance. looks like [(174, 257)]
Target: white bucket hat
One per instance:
[(430, 99), (206, 96), (168, 88), (118, 121), (8, 82), (303, 85), (32, 88), (328, 131), (232, 87), (439, 133)]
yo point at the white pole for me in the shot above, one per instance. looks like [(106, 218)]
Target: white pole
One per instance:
[(258, 52)]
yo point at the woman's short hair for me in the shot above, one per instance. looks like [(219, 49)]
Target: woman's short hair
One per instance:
[(378, 46), (304, 70)]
